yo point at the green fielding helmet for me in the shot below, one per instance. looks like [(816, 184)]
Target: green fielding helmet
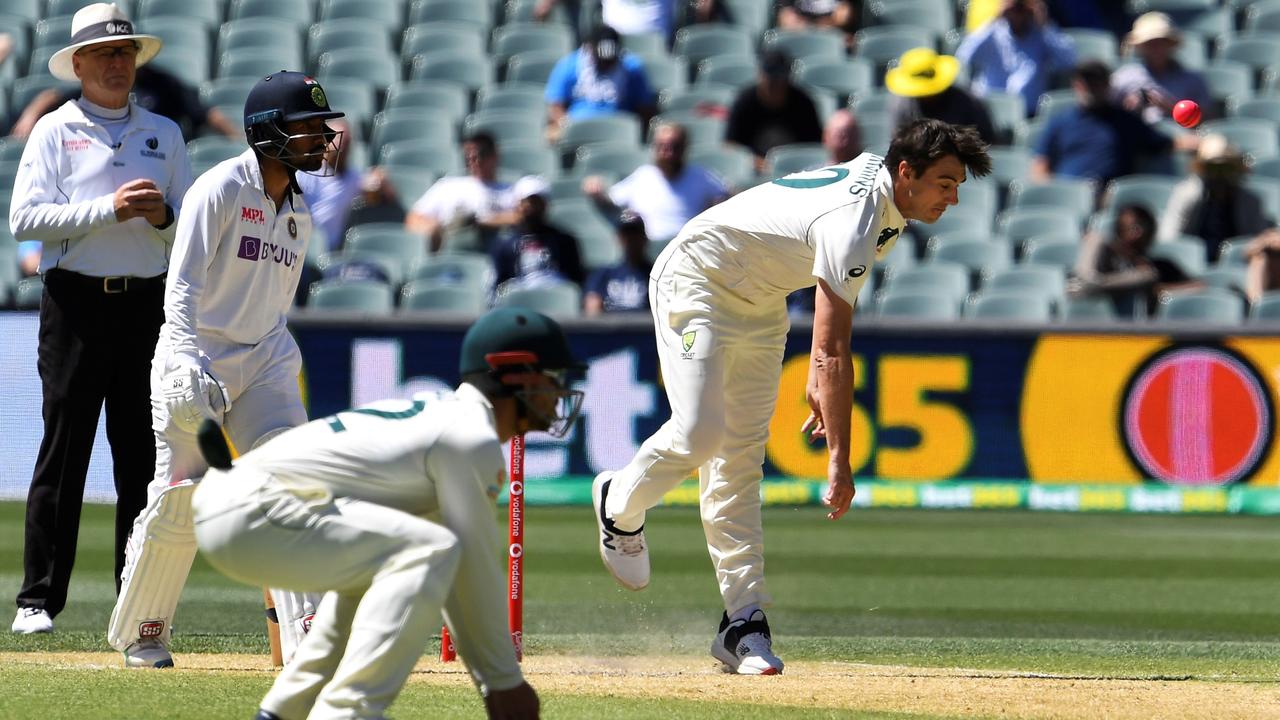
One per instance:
[(515, 330)]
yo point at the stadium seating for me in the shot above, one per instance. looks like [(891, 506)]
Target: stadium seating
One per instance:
[(1266, 309), (27, 293), (1020, 306), (557, 300), (808, 44), (1211, 305), (794, 157), (365, 295), (918, 304), (428, 295)]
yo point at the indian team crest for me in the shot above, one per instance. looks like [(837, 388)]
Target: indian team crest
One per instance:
[(317, 96), (293, 229)]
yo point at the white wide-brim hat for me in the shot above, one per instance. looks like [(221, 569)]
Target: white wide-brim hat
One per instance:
[(100, 23)]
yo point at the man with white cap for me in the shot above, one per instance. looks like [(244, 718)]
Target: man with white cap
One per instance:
[(534, 252), (479, 200), (1213, 203), (225, 352), (1152, 85), (99, 184)]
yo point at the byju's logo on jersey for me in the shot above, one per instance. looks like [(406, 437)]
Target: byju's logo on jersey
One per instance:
[(253, 215), (252, 248)]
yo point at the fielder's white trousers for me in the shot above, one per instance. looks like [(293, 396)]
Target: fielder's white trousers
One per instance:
[(385, 574), (722, 388)]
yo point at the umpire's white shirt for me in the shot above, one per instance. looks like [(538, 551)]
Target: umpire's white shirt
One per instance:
[(64, 192), (236, 262), (439, 458), (763, 243)]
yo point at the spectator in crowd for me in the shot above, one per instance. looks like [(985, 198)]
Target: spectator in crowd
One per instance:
[(842, 137), (1097, 140), (1121, 267), (378, 201), (923, 85), (1212, 203), (668, 192), (531, 252), (100, 183), (330, 195), (597, 79), (476, 200), (1152, 85), (154, 89), (639, 17), (1263, 275), (772, 112), (1017, 53), (623, 287), (839, 15)]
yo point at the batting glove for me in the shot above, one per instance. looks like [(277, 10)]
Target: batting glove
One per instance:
[(191, 395)]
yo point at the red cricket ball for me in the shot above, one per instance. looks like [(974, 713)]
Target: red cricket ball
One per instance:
[(1186, 113)]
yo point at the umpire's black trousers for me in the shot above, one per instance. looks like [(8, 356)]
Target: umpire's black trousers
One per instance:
[(97, 336)]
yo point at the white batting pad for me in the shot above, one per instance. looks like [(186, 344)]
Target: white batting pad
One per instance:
[(157, 561), (295, 612)]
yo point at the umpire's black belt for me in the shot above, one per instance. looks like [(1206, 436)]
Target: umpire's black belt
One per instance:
[(112, 285)]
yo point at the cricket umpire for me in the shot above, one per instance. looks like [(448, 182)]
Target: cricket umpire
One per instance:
[(100, 183)]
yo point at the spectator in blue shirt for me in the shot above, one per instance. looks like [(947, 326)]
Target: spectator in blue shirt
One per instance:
[(1097, 140), (1017, 53), (623, 287), (597, 79)]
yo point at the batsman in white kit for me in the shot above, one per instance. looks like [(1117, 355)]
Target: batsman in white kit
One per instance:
[(718, 295), (224, 351), (389, 509)]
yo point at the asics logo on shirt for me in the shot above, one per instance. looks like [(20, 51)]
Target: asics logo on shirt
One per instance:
[(252, 248)]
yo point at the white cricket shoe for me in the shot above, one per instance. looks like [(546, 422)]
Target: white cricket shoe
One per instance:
[(746, 647), (31, 620), (624, 553), (147, 654)]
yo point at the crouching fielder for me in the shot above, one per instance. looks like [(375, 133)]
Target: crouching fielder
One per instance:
[(389, 509), (224, 351)]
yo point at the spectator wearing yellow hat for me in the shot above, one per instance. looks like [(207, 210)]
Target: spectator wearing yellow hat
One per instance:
[(1152, 85), (923, 85)]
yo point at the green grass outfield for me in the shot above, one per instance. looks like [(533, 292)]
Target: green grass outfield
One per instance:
[(1116, 596)]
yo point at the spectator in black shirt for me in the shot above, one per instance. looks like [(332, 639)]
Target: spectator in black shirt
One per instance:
[(772, 112), (532, 252), (155, 90)]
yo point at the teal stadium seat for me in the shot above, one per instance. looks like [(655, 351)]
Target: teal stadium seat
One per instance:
[(440, 158), (189, 47), (257, 62), (1089, 309), (1018, 306), (964, 216), (621, 130), (390, 239), (704, 131), (331, 35), (616, 162), (1008, 115), (470, 11), (750, 15), (507, 126), (1054, 102), (1049, 281), (696, 43), (1048, 250), (943, 277), (431, 296), (1149, 191), (470, 73), (513, 97), (207, 12), (734, 165), (1210, 306), (428, 128), (1009, 164), (884, 44), (808, 44), (1257, 138), (1094, 44), (1267, 309), (410, 182), (938, 16), (440, 96), (558, 300), (1226, 277), (737, 71), (388, 14), (56, 8), (297, 11), (666, 73), (26, 296), (917, 304), (1259, 108), (512, 38), (365, 296), (379, 67), (472, 269), (534, 66), (794, 157), (1188, 253), (980, 258), (844, 78), (213, 149), (1228, 79), (1259, 50), (30, 10), (237, 35), (1066, 193), (1018, 224), (529, 159), (464, 40)]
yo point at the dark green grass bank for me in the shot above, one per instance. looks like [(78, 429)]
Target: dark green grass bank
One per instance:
[(1107, 595)]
